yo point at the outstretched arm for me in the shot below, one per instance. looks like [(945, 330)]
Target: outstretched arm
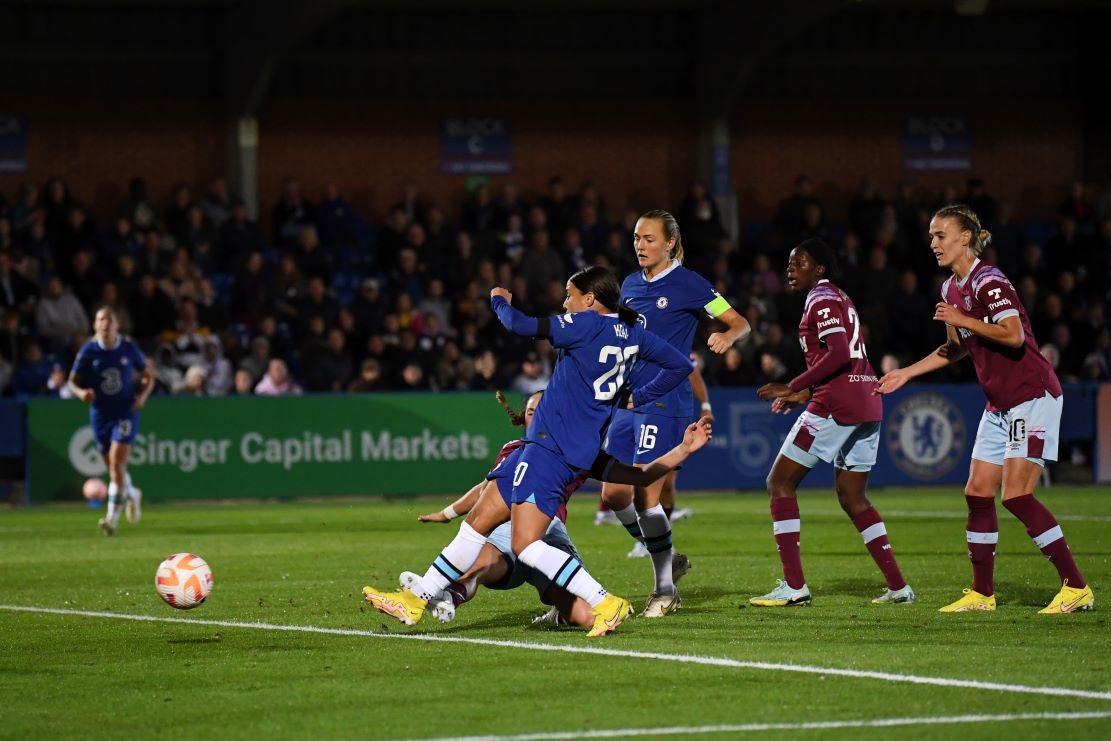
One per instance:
[(952, 351), (696, 436), (459, 507), (513, 320)]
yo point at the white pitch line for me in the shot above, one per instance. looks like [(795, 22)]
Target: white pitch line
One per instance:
[(818, 725), (678, 658)]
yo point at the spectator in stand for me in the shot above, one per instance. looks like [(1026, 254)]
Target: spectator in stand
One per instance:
[(369, 307), (177, 213), (32, 375), (338, 223), (153, 256), (512, 239), (217, 204), (316, 302), (540, 263), (56, 206), (219, 378), (252, 296), (119, 240), (866, 211), (78, 235), (257, 360), (790, 216), (771, 370), (369, 378), (698, 206), (733, 371), (60, 319), (391, 237), (277, 381), (559, 209), (168, 378), (331, 369), (487, 375), (907, 205), (1066, 248), (408, 317), (187, 335), (977, 199), (593, 230), (1078, 207), (138, 208), (211, 311), (195, 382), (179, 282), (436, 303), (509, 203), (239, 236), (292, 213), (411, 204), (440, 238), (412, 378), (533, 376), (17, 294), (908, 318), (244, 383), (408, 278), (480, 214), (13, 337), (311, 259), (152, 311)]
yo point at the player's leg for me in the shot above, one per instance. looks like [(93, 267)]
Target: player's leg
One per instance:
[(124, 435), (567, 609), (621, 444), (810, 440), (1032, 440), (118, 454), (656, 434), (851, 467), (667, 499), (407, 605), (539, 488), (985, 474)]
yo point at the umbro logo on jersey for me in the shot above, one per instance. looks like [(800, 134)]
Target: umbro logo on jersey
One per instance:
[(661, 302), (968, 303)]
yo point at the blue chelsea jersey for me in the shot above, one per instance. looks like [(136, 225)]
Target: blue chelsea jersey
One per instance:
[(669, 306), (110, 372), (598, 353)]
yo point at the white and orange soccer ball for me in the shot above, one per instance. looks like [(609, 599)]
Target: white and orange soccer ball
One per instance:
[(183, 580), (94, 490)]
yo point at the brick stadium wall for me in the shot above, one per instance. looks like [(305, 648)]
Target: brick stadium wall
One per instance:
[(640, 154)]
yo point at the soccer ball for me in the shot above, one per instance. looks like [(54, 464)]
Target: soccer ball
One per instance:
[(94, 490), (183, 580)]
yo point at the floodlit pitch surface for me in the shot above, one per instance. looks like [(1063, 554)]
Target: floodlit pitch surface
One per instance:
[(286, 647)]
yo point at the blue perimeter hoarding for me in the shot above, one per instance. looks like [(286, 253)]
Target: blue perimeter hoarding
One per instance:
[(926, 437)]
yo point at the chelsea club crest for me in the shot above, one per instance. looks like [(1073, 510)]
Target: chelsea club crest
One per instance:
[(661, 302)]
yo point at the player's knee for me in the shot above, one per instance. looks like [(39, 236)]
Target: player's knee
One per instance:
[(778, 488), (852, 503), (977, 489)]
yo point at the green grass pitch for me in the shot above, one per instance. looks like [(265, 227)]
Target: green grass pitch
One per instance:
[(303, 564)]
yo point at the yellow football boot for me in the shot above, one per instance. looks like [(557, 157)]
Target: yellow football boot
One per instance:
[(972, 601), (403, 604), (1070, 599), (610, 612)]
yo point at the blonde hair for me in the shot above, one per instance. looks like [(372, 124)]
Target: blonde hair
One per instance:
[(671, 230), (967, 219)]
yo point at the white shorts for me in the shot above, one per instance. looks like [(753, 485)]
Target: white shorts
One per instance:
[(848, 447), (1031, 431), (556, 536)]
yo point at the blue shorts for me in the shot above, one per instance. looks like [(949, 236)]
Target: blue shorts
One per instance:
[(108, 430), (639, 437), (543, 478), (556, 536), (502, 475)]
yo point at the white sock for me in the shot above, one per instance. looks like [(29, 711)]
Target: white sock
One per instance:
[(127, 486), (657, 538), (564, 570), (628, 518), (451, 564), (113, 503)]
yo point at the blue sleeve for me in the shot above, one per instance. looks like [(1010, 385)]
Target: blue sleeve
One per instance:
[(674, 368), (513, 320), (81, 367), (700, 293), (572, 330), (137, 359)]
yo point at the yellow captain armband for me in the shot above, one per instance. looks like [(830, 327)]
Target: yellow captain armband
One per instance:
[(717, 307)]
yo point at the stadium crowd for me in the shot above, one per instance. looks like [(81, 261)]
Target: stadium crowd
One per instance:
[(324, 299)]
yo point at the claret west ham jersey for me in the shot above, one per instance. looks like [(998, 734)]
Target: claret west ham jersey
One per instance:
[(847, 395), (1008, 375)]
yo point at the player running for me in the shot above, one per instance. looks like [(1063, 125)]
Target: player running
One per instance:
[(669, 299), (841, 425), (1018, 431), (599, 346), (103, 376)]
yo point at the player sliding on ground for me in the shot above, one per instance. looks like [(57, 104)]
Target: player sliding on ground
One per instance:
[(497, 567), (600, 341), (841, 426), (1018, 431)]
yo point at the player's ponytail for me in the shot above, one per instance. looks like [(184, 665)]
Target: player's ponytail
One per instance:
[(967, 220), (517, 419), (603, 284), (671, 231)]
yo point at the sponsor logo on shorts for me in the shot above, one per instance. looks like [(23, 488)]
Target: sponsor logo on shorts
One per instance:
[(926, 436)]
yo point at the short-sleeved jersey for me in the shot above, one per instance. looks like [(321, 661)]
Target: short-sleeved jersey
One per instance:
[(110, 372), (598, 352), (847, 395), (1008, 375), (669, 306)]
